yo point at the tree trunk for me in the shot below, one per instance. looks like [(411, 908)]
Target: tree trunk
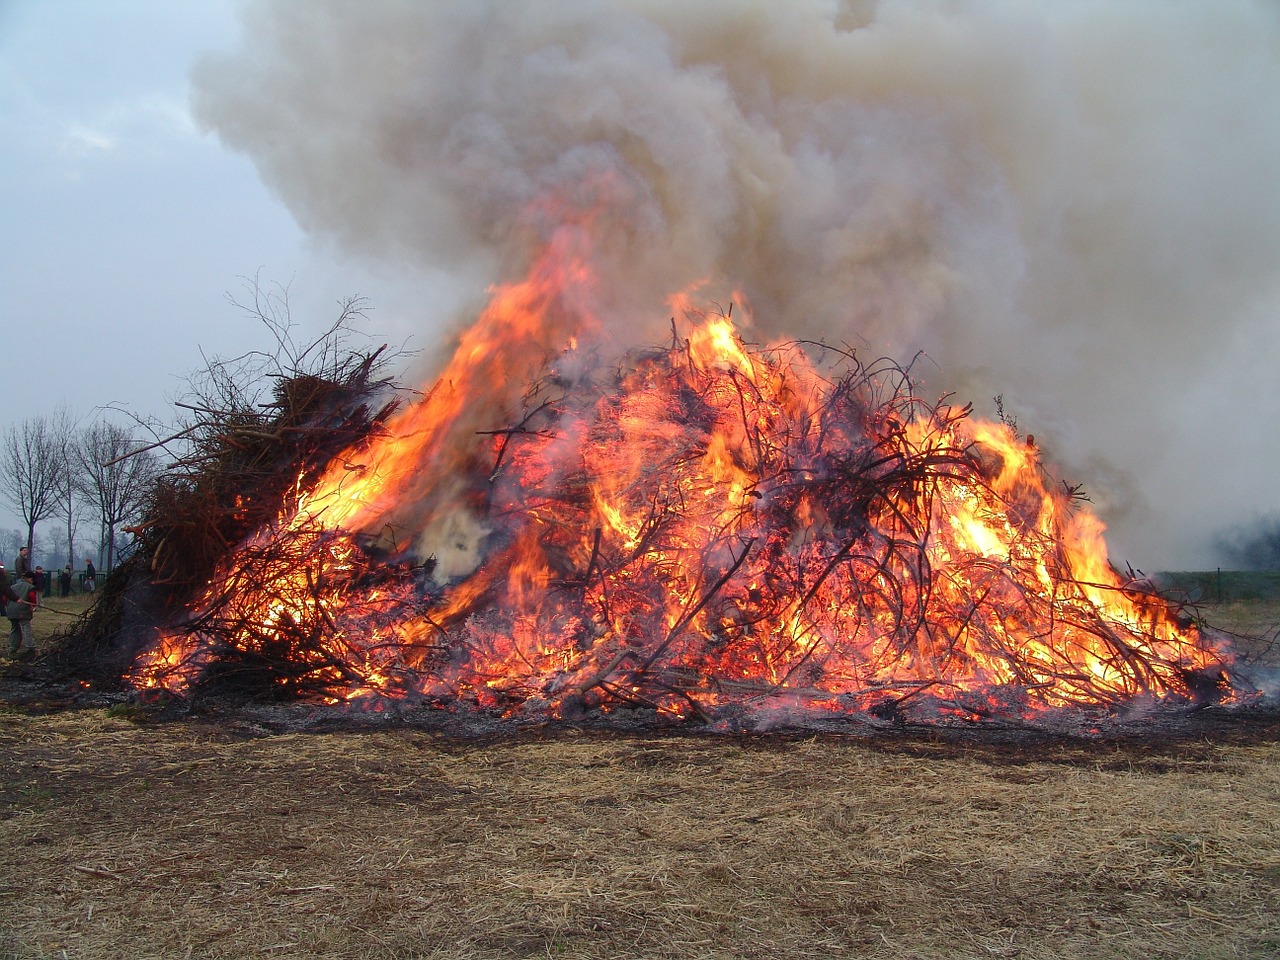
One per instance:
[(71, 530)]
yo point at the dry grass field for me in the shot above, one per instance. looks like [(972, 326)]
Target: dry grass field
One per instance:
[(215, 837)]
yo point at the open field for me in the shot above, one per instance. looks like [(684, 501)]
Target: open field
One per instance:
[(213, 837)]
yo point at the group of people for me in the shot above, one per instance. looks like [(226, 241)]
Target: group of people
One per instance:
[(21, 596)]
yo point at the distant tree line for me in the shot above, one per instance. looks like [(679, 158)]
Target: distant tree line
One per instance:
[(52, 469)]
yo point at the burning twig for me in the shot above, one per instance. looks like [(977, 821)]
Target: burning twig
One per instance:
[(702, 528)]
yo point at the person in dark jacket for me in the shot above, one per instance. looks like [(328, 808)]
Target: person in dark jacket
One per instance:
[(90, 575), (64, 581), (22, 645)]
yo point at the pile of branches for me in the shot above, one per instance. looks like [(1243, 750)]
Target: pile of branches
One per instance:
[(847, 470), (245, 466), (850, 460), (255, 429)]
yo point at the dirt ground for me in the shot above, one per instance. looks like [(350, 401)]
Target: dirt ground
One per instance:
[(215, 837)]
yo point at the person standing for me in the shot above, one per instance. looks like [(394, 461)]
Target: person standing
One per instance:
[(22, 645), (21, 564), (90, 575), (64, 581)]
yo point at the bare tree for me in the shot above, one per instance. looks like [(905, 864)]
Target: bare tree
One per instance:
[(10, 541), (68, 496), (114, 474), (33, 470)]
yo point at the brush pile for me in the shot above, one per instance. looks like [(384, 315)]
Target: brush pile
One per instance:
[(243, 458), (696, 532)]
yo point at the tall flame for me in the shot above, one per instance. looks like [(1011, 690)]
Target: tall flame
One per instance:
[(705, 529)]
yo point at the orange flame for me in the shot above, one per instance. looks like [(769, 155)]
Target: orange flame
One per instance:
[(702, 530)]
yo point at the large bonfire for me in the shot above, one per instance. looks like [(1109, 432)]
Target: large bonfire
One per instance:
[(702, 530)]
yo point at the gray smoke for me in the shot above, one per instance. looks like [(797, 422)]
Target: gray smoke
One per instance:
[(1075, 205)]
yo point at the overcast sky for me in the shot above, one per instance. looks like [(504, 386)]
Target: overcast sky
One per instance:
[(124, 228), (123, 225), (1074, 204)]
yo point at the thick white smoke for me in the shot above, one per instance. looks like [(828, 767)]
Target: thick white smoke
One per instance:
[(1075, 205)]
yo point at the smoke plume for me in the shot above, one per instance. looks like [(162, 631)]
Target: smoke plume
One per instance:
[(1073, 205)]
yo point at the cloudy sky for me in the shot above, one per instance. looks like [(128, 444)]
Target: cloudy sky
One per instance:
[(123, 224), (1075, 205), (125, 228)]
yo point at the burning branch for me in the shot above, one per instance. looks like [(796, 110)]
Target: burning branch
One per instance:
[(698, 531)]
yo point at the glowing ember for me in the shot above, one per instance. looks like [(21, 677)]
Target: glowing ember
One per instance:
[(704, 530)]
